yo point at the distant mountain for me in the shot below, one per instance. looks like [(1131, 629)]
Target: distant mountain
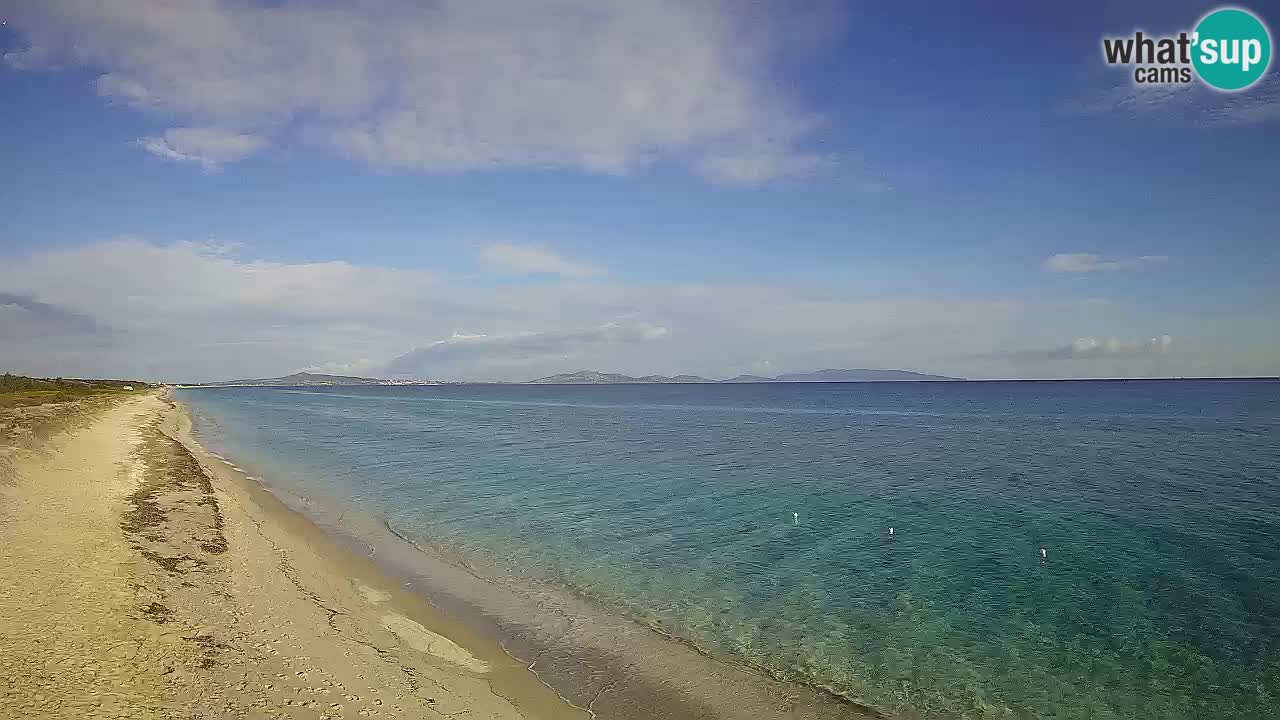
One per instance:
[(306, 378), (591, 377), (859, 375)]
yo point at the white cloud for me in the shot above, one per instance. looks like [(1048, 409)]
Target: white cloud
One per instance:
[(1187, 104), (455, 85), (752, 168), (520, 349), (195, 282), (210, 147), (358, 367), (1089, 262), (533, 259), (1136, 99), (1093, 348), (1256, 106)]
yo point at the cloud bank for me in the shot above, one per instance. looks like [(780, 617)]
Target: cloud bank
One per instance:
[(448, 86), (197, 311)]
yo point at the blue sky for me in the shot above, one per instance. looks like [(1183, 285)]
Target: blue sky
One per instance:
[(228, 189)]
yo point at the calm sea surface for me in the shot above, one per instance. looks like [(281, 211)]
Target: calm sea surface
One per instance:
[(1159, 503)]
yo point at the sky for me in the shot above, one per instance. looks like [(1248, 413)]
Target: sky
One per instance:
[(201, 190)]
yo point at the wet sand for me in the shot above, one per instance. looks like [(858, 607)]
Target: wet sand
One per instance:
[(144, 579)]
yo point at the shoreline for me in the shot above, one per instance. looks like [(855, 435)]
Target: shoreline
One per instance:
[(511, 679), (599, 663), (859, 710), (143, 579)]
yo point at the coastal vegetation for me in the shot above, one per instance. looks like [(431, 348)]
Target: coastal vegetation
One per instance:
[(21, 391)]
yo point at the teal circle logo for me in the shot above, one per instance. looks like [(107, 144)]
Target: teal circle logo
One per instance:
[(1232, 49)]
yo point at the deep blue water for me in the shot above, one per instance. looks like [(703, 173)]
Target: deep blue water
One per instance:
[(1159, 503)]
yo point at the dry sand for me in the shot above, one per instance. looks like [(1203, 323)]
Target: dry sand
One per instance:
[(142, 578)]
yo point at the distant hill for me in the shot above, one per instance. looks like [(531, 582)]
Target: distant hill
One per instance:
[(304, 378), (592, 377)]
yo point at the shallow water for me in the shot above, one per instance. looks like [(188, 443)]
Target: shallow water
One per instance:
[(1158, 503)]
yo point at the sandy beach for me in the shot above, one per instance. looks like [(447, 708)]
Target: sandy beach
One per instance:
[(145, 579)]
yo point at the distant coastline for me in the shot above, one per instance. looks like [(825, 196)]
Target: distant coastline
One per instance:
[(591, 377)]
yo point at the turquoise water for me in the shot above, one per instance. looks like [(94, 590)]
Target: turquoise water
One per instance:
[(1159, 503)]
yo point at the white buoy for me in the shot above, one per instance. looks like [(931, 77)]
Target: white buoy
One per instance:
[(795, 518)]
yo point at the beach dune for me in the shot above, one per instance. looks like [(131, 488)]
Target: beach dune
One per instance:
[(144, 579)]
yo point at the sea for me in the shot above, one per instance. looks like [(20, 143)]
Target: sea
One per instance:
[(751, 523)]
